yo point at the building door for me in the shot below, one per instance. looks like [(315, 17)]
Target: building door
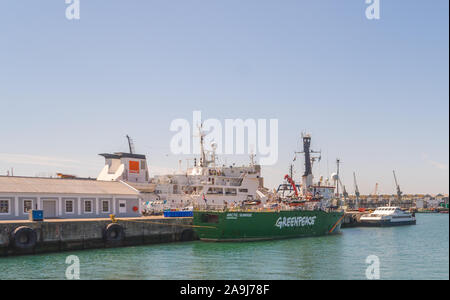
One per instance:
[(49, 207), (122, 206)]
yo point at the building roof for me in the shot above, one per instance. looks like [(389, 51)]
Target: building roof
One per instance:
[(143, 187), (37, 185)]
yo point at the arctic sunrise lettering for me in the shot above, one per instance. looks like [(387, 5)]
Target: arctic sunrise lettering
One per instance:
[(295, 221)]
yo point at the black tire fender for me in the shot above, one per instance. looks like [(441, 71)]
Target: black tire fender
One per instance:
[(23, 237), (113, 233)]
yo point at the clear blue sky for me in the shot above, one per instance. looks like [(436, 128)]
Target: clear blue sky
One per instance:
[(373, 93)]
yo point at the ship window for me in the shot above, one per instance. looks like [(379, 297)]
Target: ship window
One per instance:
[(243, 190), (230, 192), (215, 191)]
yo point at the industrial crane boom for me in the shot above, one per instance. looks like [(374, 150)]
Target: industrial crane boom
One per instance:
[(357, 194), (356, 186), (399, 192)]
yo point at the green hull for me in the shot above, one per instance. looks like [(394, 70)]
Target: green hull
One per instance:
[(252, 226)]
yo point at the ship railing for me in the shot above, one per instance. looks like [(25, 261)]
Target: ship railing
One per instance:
[(222, 208)]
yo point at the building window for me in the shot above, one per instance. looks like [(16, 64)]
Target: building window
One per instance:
[(88, 206), (4, 206), (69, 206), (105, 206), (243, 190), (27, 206)]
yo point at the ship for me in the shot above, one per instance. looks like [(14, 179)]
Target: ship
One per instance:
[(299, 210), (388, 216), (208, 183)]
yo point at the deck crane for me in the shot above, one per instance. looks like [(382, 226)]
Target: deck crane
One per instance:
[(357, 194), (292, 183), (399, 192)]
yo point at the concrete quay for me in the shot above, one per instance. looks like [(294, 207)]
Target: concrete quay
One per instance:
[(352, 219), (54, 235)]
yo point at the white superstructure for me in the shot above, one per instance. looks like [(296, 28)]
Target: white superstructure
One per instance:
[(206, 183), (209, 185)]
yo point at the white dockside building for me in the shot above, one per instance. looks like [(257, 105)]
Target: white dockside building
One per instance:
[(119, 189), (66, 198)]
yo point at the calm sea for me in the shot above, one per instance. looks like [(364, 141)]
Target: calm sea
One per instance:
[(410, 252)]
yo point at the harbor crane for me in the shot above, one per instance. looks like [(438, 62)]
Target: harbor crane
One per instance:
[(357, 194), (344, 190), (399, 192), (375, 192)]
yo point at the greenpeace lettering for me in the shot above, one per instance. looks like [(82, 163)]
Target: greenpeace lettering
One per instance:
[(295, 221)]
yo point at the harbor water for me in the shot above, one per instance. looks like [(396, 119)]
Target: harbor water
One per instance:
[(405, 252)]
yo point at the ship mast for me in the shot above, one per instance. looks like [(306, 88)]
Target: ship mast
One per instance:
[(338, 162), (307, 178), (291, 171), (204, 161), (202, 146), (130, 144), (252, 159)]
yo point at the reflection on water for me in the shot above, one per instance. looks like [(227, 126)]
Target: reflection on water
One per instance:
[(410, 252)]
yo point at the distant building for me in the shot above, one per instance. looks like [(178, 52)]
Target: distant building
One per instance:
[(67, 198), (420, 203)]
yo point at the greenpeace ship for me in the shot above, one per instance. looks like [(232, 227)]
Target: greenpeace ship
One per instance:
[(304, 213)]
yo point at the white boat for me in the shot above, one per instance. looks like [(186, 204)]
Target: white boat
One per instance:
[(388, 216)]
